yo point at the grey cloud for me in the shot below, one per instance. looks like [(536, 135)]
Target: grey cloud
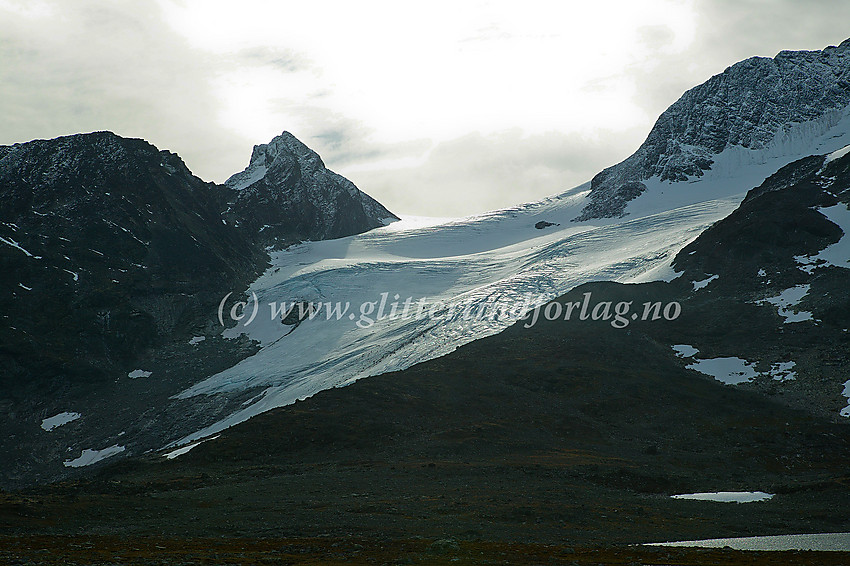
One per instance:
[(343, 141), (284, 60), (729, 31), (100, 65), (117, 66), (477, 173)]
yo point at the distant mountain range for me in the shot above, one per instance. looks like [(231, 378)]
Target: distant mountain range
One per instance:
[(114, 259)]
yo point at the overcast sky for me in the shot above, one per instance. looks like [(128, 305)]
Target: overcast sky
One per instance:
[(437, 108)]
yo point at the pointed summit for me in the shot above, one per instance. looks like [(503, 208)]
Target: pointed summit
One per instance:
[(287, 193)]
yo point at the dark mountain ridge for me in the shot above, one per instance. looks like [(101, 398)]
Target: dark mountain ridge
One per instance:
[(113, 260), (124, 246)]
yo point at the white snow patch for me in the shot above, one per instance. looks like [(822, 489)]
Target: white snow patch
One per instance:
[(805, 263), (762, 273), (734, 370), (22, 286), (788, 299), (137, 373), (183, 449), (253, 173), (727, 496), (837, 254), (197, 340), (845, 412), (704, 283), (783, 371), (685, 351), (829, 542), (55, 421), (837, 154), (15, 244), (731, 371), (74, 274), (89, 457), (800, 316)]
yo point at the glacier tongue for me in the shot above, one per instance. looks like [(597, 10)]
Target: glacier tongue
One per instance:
[(499, 258)]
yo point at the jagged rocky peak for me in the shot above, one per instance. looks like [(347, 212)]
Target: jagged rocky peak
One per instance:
[(279, 158), (286, 193), (748, 105)]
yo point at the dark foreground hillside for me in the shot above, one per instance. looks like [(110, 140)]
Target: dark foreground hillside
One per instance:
[(568, 433)]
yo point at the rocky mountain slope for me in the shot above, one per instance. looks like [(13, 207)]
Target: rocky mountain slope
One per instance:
[(754, 105), (766, 290), (109, 247), (114, 258)]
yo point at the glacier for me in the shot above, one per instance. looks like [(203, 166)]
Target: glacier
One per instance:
[(493, 259)]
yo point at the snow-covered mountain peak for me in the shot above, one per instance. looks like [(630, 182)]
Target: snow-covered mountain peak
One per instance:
[(752, 105), (288, 143)]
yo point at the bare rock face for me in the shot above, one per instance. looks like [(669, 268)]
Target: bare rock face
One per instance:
[(110, 246), (286, 193), (747, 105)]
